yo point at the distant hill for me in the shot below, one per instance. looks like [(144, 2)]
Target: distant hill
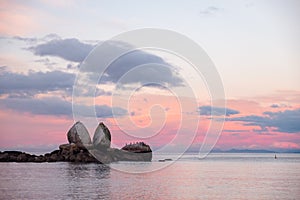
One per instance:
[(292, 151), (243, 151)]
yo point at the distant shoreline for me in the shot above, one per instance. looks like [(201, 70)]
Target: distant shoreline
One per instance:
[(253, 151), (243, 151)]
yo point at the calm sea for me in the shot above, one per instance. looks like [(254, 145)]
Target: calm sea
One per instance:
[(219, 176)]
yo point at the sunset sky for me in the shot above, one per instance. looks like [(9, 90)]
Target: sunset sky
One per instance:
[(254, 45)]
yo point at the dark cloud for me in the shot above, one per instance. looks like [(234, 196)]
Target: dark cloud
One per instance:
[(100, 92), (57, 107), (217, 111), (161, 86), (274, 106), (35, 40), (34, 82), (105, 111), (19, 85), (3, 69), (283, 121), (26, 39), (155, 69), (69, 49), (46, 106), (51, 36), (234, 131), (46, 62), (278, 106)]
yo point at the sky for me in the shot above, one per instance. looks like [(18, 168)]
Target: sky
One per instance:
[(254, 45)]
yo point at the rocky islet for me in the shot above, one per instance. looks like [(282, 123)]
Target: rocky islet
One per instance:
[(81, 149)]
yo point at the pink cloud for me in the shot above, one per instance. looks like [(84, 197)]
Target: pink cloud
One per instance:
[(16, 19), (25, 129)]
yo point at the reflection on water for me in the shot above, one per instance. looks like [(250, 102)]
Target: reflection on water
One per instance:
[(90, 177), (83, 171), (220, 176), (54, 180)]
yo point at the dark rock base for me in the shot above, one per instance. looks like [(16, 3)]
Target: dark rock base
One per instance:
[(74, 153)]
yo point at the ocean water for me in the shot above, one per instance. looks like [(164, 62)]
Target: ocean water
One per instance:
[(219, 176)]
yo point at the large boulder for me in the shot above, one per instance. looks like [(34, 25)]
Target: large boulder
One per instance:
[(102, 137), (79, 135)]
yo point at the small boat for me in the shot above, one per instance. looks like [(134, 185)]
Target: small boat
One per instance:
[(163, 160)]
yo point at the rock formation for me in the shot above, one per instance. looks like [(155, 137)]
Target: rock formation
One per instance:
[(79, 135), (80, 149), (102, 137), (137, 147)]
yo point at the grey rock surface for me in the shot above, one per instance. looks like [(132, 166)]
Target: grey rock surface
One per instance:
[(102, 137), (79, 135)]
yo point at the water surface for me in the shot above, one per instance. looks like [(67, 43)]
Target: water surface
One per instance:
[(219, 176)]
